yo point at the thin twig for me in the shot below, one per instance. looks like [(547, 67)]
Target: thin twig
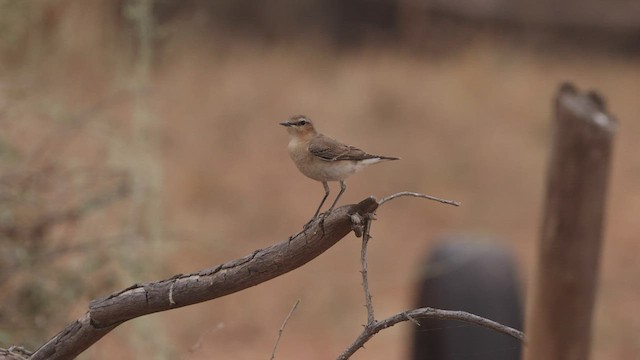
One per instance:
[(414, 321), (373, 326), (365, 278), (275, 346), (426, 313), (415, 194)]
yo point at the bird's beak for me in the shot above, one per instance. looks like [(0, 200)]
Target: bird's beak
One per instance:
[(286, 123)]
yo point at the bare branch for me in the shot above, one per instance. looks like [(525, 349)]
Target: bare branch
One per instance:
[(418, 195), (426, 313), (373, 326), (107, 313), (186, 289), (365, 278), (414, 321), (275, 346)]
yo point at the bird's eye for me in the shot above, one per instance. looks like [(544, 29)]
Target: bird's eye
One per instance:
[(302, 122)]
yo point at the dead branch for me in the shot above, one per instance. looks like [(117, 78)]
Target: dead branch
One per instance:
[(107, 313), (374, 326), (366, 236), (426, 313), (415, 194), (284, 323), (186, 289)]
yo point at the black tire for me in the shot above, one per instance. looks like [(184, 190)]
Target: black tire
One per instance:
[(473, 275)]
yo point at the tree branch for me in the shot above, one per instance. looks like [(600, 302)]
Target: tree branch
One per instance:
[(186, 289), (419, 195), (107, 313), (284, 323), (365, 276), (374, 326), (426, 313)]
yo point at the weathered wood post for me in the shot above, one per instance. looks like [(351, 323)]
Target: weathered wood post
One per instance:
[(561, 302)]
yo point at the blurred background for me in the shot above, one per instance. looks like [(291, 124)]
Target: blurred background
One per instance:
[(139, 139)]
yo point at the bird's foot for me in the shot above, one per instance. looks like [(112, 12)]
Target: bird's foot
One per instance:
[(319, 217), (309, 223)]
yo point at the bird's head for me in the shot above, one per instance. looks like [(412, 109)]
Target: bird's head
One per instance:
[(299, 125)]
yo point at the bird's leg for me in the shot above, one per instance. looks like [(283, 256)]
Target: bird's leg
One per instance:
[(326, 194), (315, 216), (343, 187)]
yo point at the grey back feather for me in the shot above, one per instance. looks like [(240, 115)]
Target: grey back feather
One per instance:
[(328, 149)]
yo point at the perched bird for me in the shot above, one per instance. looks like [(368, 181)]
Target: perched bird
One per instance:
[(324, 159)]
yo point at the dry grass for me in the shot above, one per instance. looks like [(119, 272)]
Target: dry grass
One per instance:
[(472, 127)]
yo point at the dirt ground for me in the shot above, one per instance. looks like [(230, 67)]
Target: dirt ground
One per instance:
[(472, 126)]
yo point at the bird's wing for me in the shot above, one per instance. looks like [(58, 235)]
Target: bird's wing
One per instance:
[(328, 149)]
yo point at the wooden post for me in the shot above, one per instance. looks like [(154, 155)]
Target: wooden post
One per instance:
[(561, 304)]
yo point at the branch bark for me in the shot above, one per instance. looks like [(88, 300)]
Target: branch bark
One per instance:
[(107, 313)]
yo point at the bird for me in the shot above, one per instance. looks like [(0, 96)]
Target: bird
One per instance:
[(325, 159)]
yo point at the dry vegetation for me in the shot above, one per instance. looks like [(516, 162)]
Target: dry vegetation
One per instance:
[(472, 126)]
